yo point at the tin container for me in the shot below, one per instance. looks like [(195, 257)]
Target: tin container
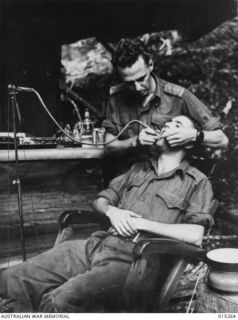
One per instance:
[(98, 136), (87, 141), (223, 269)]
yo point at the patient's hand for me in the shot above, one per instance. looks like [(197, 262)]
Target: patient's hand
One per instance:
[(123, 221)]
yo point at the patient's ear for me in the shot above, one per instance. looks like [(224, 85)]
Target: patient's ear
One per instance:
[(151, 65)]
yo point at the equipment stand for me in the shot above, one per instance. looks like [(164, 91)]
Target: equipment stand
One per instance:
[(13, 101)]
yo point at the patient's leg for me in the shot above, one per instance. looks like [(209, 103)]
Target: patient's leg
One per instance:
[(27, 282), (109, 268)]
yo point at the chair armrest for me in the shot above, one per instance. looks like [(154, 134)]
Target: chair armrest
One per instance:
[(71, 221), (147, 257), (152, 246), (72, 217)]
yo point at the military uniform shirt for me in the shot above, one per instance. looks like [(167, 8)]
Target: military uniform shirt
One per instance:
[(182, 195), (168, 101)]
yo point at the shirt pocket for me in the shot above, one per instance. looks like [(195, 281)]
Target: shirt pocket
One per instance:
[(135, 182), (171, 206), (131, 193), (170, 199)]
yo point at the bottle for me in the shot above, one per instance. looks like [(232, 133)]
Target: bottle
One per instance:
[(87, 123), (77, 131), (67, 129)]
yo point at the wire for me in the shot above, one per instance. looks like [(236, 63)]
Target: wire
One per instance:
[(193, 294), (78, 141), (75, 108)]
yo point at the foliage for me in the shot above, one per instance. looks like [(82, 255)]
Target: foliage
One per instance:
[(209, 68)]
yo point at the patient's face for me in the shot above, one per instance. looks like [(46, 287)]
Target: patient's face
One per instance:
[(179, 122)]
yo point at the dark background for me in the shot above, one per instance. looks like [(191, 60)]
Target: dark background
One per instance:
[(32, 32)]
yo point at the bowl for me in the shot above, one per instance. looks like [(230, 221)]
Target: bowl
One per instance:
[(225, 259)]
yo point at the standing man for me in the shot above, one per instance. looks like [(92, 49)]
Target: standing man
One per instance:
[(143, 96)]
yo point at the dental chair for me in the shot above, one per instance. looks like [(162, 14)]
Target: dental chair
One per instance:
[(147, 255)]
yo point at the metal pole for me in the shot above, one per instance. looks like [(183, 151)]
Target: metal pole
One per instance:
[(17, 180)]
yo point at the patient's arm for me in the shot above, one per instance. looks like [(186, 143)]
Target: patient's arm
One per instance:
[(127, 223), (121, 219), (190, 233), (197, 211)]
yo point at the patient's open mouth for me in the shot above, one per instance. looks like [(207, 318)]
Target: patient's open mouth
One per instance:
[(163, 130)]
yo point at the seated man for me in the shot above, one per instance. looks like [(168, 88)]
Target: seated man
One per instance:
[(163, 196)]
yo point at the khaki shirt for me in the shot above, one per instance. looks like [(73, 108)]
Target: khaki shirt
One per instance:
[(182, 195), (169, 100)]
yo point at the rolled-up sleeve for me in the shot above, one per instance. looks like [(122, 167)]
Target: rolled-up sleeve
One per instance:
[(115, 189), (199, 112), (110, 126), (111, 122), (199, 205)]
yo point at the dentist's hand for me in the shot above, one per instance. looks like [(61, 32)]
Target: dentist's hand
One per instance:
[(148, 136), (179, 136)]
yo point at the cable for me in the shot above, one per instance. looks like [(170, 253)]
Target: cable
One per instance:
[(193, 294), (75, 140), (75, 108)]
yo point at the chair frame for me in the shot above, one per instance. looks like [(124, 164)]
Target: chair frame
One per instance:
[(143, 251)]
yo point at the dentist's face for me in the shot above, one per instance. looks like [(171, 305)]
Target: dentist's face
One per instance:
[(138, 77)]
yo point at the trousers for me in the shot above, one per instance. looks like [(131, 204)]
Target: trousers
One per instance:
[(69, 277)]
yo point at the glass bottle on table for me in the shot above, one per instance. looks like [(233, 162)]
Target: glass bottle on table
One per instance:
[(87, 124), (77, 132), (67, 129), (87, 132), (87, 127)]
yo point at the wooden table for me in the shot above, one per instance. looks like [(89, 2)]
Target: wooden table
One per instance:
[(52, 154)]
